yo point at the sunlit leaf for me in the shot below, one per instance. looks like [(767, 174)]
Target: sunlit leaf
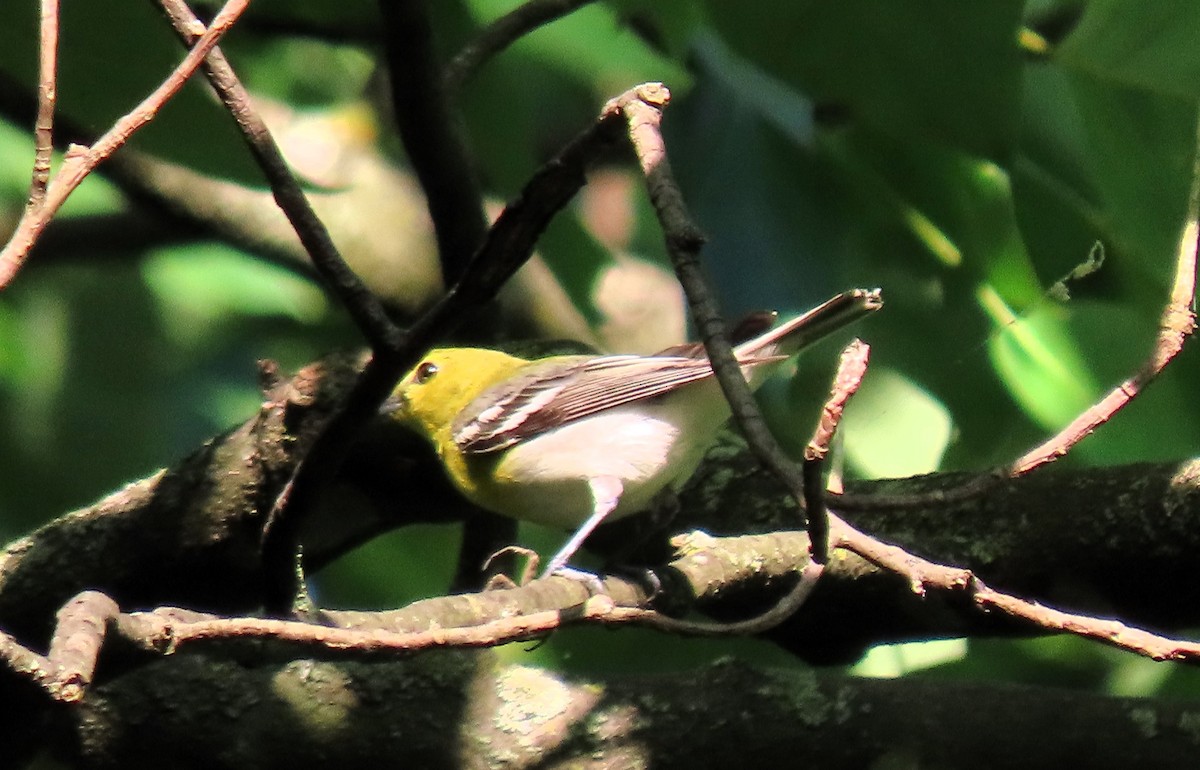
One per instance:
[(1152, 45), (200, 286), (1038, 360), (893, 660), (893, 428)]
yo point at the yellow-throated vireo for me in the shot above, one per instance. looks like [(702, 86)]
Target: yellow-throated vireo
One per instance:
[(570, 441)]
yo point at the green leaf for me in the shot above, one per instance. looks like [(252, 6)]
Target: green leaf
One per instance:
[(888, 661), (1150, 45), (894, 428), (592, 45), (939, 69), (1037, 358), (199, 286)]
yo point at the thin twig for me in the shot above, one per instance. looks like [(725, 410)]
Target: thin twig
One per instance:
[(1176, 325), (81, 161), (363, 306), (923, 574), (852, 367), (1111, 632), (43, 127), (810, 575), (643, 113), (502, 33), (167, 635)]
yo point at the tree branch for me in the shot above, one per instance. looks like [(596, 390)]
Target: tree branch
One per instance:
[(43, 127), (1175, 328), (81, 161), (313, 713), (502, 33), (366, 310), (433, 134)]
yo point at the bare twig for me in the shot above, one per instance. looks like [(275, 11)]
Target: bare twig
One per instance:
[(366, 309), (167, 635), (1111, 632), (1176, 325), (43, 128), (67, 669), (502, 33), (924, 574), (435, 141), (921, 574), (642, 108), (81, 161), (852, 367)]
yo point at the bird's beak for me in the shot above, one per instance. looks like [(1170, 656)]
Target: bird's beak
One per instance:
[(393, 404)]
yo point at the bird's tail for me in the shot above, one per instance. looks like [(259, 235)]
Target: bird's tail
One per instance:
[(802, 331)]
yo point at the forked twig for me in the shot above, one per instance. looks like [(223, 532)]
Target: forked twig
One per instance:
[(684, 242), (852, 367), (1175, 326), (81, 161), (643, 108)]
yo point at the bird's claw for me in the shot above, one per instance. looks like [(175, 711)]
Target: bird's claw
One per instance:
[(590, 580)]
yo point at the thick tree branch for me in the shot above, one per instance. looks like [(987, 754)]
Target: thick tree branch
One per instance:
[(433, 134), (202, 554), (313, 713)]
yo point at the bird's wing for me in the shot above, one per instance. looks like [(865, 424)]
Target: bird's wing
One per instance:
[(546, 397)]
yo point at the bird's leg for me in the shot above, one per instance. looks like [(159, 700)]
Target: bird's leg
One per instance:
[(606, 492)]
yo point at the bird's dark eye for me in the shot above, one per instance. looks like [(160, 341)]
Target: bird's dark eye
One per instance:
[(425, 372)]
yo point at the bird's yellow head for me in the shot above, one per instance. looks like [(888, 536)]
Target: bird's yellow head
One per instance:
[(437, 389)]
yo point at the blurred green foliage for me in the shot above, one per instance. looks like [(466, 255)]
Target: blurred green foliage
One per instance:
[(963, 156)]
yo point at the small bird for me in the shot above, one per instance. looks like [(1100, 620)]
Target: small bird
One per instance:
[(572, 441)]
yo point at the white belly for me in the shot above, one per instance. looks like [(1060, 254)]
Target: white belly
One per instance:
[(641, 452)]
